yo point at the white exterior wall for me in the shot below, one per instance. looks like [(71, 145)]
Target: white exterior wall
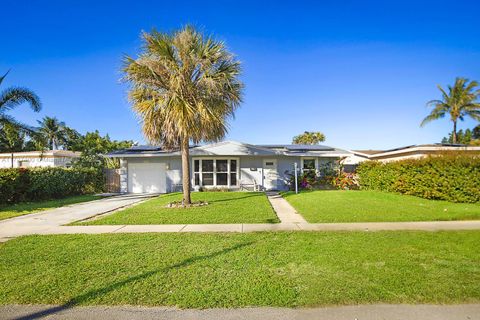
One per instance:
[(354, 160), (33, 162), (123, 176), (402, 157), (250, 169)]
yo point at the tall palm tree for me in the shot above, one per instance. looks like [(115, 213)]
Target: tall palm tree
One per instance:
[(53, 132), (184, 88), (460, 101), (11, 98)]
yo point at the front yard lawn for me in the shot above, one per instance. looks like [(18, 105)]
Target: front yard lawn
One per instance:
[(374, 206), (223, 207), (291, 269), (21, 209)]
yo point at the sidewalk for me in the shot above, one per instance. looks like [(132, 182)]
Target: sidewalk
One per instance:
[(368, 312), (53, 221), (244, 228)]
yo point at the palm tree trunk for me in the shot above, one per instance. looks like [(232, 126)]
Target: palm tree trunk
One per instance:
[(454, 133), (185, 171)]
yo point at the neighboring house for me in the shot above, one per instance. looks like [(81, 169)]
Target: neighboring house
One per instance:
[(351, 162), (421, 151), (52, 158), (228, 164), (409, 152)]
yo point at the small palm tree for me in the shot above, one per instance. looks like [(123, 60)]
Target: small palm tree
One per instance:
[(184, 87), (309, 138), (53, 132), (12, 97), (460, 101), (12, 139)]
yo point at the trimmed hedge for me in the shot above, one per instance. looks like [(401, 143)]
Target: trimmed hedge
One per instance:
[(20, 184), (454, 178)]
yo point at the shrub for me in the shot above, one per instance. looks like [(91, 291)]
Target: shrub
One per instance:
[(330, 175), (345, 181), (19, 184), (453, 177)]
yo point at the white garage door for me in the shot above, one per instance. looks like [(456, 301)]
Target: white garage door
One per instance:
[(146, 178)]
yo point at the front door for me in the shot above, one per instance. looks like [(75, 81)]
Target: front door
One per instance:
[(270, 174)]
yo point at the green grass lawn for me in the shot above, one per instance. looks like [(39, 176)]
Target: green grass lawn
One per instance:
[(223, 207), (292, 269), (375, 206), (21, 209)]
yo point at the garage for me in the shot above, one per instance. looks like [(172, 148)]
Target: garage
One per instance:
[(146, 178)]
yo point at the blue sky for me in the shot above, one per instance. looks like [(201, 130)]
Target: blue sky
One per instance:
[(359, 71)]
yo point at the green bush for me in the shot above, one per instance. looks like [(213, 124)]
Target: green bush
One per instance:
[(452, 177), (20, 184)]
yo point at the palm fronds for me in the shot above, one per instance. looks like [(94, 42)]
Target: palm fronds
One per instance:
[(458, 101), (11, 98), (184, 87)]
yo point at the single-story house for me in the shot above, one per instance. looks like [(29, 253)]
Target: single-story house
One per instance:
[(408, 152), (229, 164), (51, 158)]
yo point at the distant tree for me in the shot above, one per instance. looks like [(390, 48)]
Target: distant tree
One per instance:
[(476, 132), (12, 97), (184, 87), (73, 139), (93, 146), (463, 137), (12, 138), (460, 101), (53, 132), (309, 138)]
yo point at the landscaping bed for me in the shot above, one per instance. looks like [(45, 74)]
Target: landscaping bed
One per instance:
[(223, 207), (24, 208), (288, 269), (375, 206)]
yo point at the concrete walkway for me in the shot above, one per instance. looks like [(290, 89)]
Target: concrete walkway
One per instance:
[(363, 312), (284, 210)]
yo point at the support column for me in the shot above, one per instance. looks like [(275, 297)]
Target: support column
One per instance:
[(123, 176)]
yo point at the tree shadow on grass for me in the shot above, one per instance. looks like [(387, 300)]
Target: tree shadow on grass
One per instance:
[(234, 198), (93, 293)]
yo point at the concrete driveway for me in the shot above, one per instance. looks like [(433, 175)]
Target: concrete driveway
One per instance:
[(41, 222)]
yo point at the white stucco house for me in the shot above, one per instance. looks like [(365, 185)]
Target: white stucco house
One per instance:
[(408, 152), (51, 158), (229, 164), (422, 151)]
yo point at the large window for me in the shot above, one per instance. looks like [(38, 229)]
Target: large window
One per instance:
[(207, 172), (215, 172)]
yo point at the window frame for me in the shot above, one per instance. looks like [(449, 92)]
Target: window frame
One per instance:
[(229, 171), (309, 158)]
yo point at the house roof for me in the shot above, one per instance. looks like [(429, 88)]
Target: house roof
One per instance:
[(298, 147), (367, 152), (234, 148), (425, 148)]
